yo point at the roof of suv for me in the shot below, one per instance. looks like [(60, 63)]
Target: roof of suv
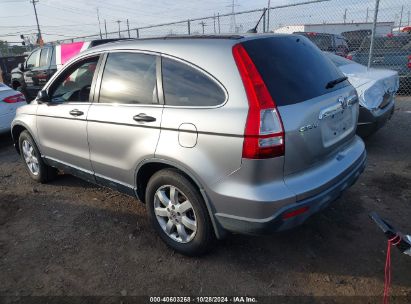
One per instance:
[(159, 43)]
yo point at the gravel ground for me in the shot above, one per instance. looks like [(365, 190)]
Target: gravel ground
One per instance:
[(70, 237)]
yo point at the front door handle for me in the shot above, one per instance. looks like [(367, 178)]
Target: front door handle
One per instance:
[(76, 112), (142, 117)]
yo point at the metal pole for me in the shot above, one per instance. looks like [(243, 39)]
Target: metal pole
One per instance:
[(374, 27), (128, 29), (99, 25), (399, 26), (37, 20), (214, 22), (408, 18), (345, 16), (118, 21), (105, 27), (366, 16), (218, 22), (188, 27), (268, 16), (265, 10), (138, 34)]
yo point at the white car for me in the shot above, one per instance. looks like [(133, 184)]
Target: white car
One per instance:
[(376, 90), (10, 100)]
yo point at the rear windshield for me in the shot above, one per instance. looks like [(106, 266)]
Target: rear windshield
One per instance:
[(393, 43), (293, 69), (338, 60), (324, 42)]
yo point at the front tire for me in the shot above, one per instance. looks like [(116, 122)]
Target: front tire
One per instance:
[(178, 213), (35, 166)]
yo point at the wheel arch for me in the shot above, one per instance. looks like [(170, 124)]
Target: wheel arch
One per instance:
[(149, 167), (16, 130)]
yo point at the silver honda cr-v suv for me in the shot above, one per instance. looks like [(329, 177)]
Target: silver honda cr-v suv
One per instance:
[(247, 134)]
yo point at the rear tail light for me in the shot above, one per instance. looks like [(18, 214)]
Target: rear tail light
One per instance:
[(409, 62), (14, 98), (264, 132), (349, 57), (295, 212)]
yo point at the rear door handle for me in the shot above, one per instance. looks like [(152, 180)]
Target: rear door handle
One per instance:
[(76, 112), (142, 117)]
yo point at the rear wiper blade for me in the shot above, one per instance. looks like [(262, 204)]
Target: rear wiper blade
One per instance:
[(332, 83)]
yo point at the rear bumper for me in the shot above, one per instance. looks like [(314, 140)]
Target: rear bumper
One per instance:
[(279, 219), (371, 121)]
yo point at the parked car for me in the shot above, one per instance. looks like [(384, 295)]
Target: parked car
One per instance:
[(355, 38), (254, 140), (336, 44), (391, 52), (376, 89), (7, 63), (10, 100), (29, 77)]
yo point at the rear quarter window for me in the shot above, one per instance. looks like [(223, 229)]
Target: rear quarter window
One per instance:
[(185, 85), (293, 68)]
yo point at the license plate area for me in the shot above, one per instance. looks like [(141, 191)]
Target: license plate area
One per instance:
[(336, 126)]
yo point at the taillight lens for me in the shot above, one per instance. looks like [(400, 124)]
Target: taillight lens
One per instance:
[(409, 61), (14, 98), (264, 132), (349, 57)]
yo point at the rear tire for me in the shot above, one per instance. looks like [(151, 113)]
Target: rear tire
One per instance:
[(178, 213), (35, 166)]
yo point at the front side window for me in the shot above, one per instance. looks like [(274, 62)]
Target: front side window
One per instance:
[(129, 78), (33, 59), (186, 86), (75, 84)]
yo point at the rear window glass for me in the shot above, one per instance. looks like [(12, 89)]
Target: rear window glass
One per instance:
[(393, 43), (324, 42), (129, 78), (186, 86), (338, 60), (293, 69)]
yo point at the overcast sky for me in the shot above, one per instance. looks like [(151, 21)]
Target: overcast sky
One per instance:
[(60, 19)]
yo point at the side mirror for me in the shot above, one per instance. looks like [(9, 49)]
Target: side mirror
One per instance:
[(42, 97), (21, 66)]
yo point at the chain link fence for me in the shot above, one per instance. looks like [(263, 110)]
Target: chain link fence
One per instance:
[(374, 33)]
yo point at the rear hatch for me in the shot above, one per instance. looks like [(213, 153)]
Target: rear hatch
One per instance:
[(390, 52), (318, 118)]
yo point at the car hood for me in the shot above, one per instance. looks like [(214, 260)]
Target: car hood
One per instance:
[(371, 84)]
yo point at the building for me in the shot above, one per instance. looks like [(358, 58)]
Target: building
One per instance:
[(382, 28)]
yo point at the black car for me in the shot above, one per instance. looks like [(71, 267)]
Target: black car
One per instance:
[(332, 43)]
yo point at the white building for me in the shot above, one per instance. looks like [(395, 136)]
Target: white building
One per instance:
[(382, 28)]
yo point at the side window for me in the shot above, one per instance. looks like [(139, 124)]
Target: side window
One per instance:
[(186, 86), (129, 78), (32, 60), (75, 83), (45, 57)]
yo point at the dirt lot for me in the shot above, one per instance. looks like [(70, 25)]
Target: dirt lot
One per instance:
[(73, 238)]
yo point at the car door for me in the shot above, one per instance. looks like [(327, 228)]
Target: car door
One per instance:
[(124, 121), (61, 122)]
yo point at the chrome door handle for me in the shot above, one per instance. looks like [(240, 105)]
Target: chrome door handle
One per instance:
[(142, 117), (76, 112)]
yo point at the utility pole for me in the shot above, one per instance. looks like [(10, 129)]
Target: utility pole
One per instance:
[(233, 23), (345, 15), (39, 38), (214, 23), (268, 15), (203, 24), (366, 16), (399, 26), (408, 18), (128, 29), (105, 27), (119, 21), (99, 25)]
